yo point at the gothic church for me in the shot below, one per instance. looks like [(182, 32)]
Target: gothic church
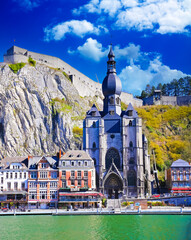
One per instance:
[(114, 139)]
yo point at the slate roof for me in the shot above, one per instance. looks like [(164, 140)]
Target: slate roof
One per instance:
[(5, 162), (180, 163), (76, 155), (93, 109), (130, 108), (36, 159)]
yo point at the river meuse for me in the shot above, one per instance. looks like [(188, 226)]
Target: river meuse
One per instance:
[(95, 227)]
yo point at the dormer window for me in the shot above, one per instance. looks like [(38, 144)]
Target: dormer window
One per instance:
[(43, 165), (79, 155), (93, 113), (130, 113), (70, 155), (111, 112)]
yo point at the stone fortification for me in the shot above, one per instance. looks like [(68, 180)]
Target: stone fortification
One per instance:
[(84, 85), (168, 100)]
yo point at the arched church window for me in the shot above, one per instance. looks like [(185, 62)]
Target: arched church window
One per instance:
[(131, 176), (94, 124), (130, 123), (111, 100), (94, 145), (131, 144), (112, 155), (117, 100)]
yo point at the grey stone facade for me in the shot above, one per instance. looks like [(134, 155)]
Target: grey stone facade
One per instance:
[(114, 140)]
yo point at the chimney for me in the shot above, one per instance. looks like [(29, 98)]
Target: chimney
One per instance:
[(60, 153)]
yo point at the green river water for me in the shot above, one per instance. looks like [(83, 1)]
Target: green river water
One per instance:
[(95, 227)]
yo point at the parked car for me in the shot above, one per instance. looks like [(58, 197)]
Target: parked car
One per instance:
[(4, 209), (156, 196)]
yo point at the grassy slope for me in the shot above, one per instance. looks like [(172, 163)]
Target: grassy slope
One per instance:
[(168, 130)]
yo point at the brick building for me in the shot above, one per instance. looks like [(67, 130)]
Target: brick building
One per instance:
[(76, 178), (42, 182)]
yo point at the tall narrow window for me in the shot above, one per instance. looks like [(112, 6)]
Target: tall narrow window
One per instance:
[(94, 145), (131, 144), (130, 123)]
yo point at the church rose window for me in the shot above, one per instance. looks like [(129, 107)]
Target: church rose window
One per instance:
[(112, 155)]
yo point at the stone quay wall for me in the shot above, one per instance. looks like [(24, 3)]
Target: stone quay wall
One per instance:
[(84, 85)]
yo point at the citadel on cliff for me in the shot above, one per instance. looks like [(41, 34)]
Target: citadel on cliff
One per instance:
[(84, 85)]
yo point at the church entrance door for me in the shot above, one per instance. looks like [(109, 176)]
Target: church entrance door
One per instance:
[(113, 184)]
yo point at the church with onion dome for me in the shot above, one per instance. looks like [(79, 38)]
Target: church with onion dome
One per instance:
[(114, 140)]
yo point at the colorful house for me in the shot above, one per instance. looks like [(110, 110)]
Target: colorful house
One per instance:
[(179, 177), (13, 182), (42, 182), (77, 179)]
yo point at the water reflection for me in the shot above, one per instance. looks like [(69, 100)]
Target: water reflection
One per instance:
[(96, 227)]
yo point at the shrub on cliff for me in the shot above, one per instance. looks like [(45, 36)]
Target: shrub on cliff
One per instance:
[(32, 62), (16, 67)]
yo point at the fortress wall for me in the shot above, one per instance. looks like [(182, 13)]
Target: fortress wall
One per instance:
[(183, 100), (169, 100), (84, 85), (128, 98)]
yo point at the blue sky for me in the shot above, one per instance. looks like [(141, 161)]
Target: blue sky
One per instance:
[(151, 38)]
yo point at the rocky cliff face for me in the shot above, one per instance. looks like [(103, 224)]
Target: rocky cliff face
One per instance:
[(39, 109)]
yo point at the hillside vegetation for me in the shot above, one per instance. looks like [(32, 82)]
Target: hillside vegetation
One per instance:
[(168, 130)]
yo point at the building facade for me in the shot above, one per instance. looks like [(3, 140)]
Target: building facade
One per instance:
[(13, 181), (42, 182), (77, 180), (76, 171), (179, 177), (114, 140)]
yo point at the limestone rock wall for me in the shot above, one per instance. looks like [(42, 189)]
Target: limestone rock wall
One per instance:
[(30, 122)]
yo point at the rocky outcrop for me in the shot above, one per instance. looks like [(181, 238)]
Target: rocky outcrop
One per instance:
[(39, 107)]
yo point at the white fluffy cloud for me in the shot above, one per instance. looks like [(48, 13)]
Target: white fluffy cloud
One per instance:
[(135, 79), (142, 67), (96, 6), (161, 16), (76, 27), (91, 49)]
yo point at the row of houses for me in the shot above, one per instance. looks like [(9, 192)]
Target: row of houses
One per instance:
[(44, 182)]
